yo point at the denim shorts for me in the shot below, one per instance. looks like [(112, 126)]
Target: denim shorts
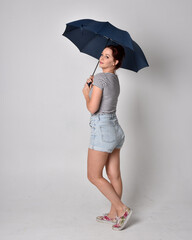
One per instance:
[(106, 133)]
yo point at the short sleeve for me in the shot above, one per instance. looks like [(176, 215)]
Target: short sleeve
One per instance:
[(98, 81)]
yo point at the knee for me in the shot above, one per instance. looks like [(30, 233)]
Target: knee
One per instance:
[(93, 179), (114, 176)]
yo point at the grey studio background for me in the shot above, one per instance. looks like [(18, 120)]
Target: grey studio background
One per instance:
[(44, 123)]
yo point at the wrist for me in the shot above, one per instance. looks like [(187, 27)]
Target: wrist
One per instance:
[(87, 97)]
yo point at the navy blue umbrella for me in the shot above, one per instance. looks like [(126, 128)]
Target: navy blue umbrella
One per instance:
[(91, 37)]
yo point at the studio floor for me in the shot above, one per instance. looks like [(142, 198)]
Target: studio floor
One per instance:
[(76, 221)]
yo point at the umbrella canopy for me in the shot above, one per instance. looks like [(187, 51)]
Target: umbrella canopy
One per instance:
[(91, 37)]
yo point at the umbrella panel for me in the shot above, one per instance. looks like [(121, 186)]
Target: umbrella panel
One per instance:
[(93, 43)]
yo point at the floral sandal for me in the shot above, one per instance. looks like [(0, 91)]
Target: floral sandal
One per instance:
[(121, 221), (106, 219)]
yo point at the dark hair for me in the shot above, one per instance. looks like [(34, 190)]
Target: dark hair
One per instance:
[(118, 53)]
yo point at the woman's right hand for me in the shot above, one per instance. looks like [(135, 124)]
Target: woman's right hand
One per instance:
[(90, 80), (87, 87)]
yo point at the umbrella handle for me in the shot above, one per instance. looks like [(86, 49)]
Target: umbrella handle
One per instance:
[(89, 84)]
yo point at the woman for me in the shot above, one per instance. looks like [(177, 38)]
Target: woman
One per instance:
[(107, 136)]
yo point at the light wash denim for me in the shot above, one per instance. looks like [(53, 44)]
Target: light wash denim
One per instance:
[(106, 133)]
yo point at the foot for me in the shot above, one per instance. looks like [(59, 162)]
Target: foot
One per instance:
[(112, 215), (106, 219), (122, 221)]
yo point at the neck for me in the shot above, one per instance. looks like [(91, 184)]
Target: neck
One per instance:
[(109, 70)]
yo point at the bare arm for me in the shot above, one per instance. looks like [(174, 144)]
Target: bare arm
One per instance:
[(92, 103)]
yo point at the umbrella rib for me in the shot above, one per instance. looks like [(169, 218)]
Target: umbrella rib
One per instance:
[(104, 26), (97, 33)]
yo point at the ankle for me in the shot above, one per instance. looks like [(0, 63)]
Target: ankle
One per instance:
[(121, 210)]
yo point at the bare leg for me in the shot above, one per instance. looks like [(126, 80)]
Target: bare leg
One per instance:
[(95, 164), (113, 172)]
